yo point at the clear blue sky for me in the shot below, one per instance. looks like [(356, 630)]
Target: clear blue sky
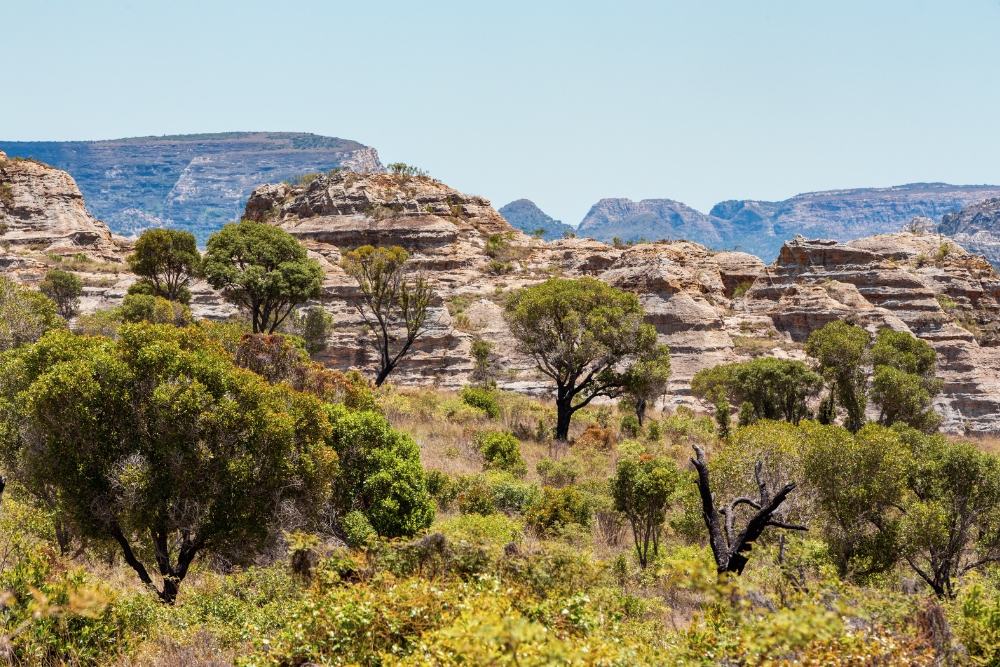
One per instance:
[(560, 102)]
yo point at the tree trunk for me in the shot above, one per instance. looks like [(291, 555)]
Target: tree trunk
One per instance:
[(564, 413), (383, 374), (640, 410)]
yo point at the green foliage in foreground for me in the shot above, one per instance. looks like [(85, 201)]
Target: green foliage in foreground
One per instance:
[(24, 314)]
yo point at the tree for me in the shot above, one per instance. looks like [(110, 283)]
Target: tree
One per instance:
[(775, 388), (166, 260), (728, 546), (158, 442), (641, 491), (381, 475), (313, 325), (841, 351), (24, 315), (154, 309), (394, 308), (65, 289), (482, 362), (903, 382), (580, 333), (646, 380), (262, 269)]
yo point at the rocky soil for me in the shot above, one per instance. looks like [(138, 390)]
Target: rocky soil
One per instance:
[(709, 307)]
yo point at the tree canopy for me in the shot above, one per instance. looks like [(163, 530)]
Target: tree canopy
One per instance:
[(65, 289), (775, 388), (24, 314), (166, 260), (394, 308), (263, 269), (158, 442), (583, 334), (840, 348)]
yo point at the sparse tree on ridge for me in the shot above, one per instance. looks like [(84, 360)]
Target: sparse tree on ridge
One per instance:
[(583, 334), (65, 289), (394, 307), (263, 269), (165, 260)]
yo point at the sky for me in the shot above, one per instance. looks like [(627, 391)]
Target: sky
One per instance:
[(563, 103)]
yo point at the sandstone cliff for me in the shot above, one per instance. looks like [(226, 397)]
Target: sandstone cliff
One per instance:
[(194, 182), (709, 307), (977, 228)]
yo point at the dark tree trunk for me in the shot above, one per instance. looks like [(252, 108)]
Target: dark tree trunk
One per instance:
[(727, 546), (640, 410), (564, 413)]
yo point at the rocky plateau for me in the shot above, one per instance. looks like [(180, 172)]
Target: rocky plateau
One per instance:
[(709, 307)]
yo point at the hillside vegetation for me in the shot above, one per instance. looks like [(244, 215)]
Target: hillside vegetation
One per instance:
[(181, 492)]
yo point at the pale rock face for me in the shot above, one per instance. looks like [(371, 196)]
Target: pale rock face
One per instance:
[(896, 280), (42, 209)]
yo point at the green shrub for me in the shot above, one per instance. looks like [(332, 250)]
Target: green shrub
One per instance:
[(476, 497), (380, 473), (654, 432), (155, 310), (511, 495), (558, 473), (502, 451), (630, 426), (484, 399), (65, 289), (559, 508), (442, 488), (358, 530)]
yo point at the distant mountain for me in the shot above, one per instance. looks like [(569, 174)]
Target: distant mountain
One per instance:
[(976, 228), (524, 215), (760, 227), (196, 182)]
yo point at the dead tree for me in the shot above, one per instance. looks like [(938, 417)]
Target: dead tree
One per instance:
[(728, 547)]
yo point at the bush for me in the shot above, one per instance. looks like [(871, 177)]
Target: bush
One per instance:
[(557, 509), (558, 473), (511, 495), (357, 530), (442, 488), (476, 497), (630, 426), (380, 473), (502, 451), (65, 289), (484, 399), (654, 432), (24, 315), (155, 310)]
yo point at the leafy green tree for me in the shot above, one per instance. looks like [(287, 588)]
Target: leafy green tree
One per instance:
[(859, 481), (903, 382), (24, 315), (313, 325), (154, 309), (394, 308), (262, 269), (580, 333), (841, 350), (502, 451), (166, 260), (775, 388), (65, 289), (646, 380), (158, 442), (381, 475), (641, 491)]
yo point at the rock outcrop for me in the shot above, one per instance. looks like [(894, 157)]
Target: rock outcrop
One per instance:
[(42, 210), (193, 182), (976, 228), (708, 307), (920, 283)]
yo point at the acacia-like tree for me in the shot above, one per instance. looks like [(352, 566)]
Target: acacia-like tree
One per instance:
[(165, 260), (159, 443), (584, 334), (394, 307), (774, 388), (262, 269), (65, 289)]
